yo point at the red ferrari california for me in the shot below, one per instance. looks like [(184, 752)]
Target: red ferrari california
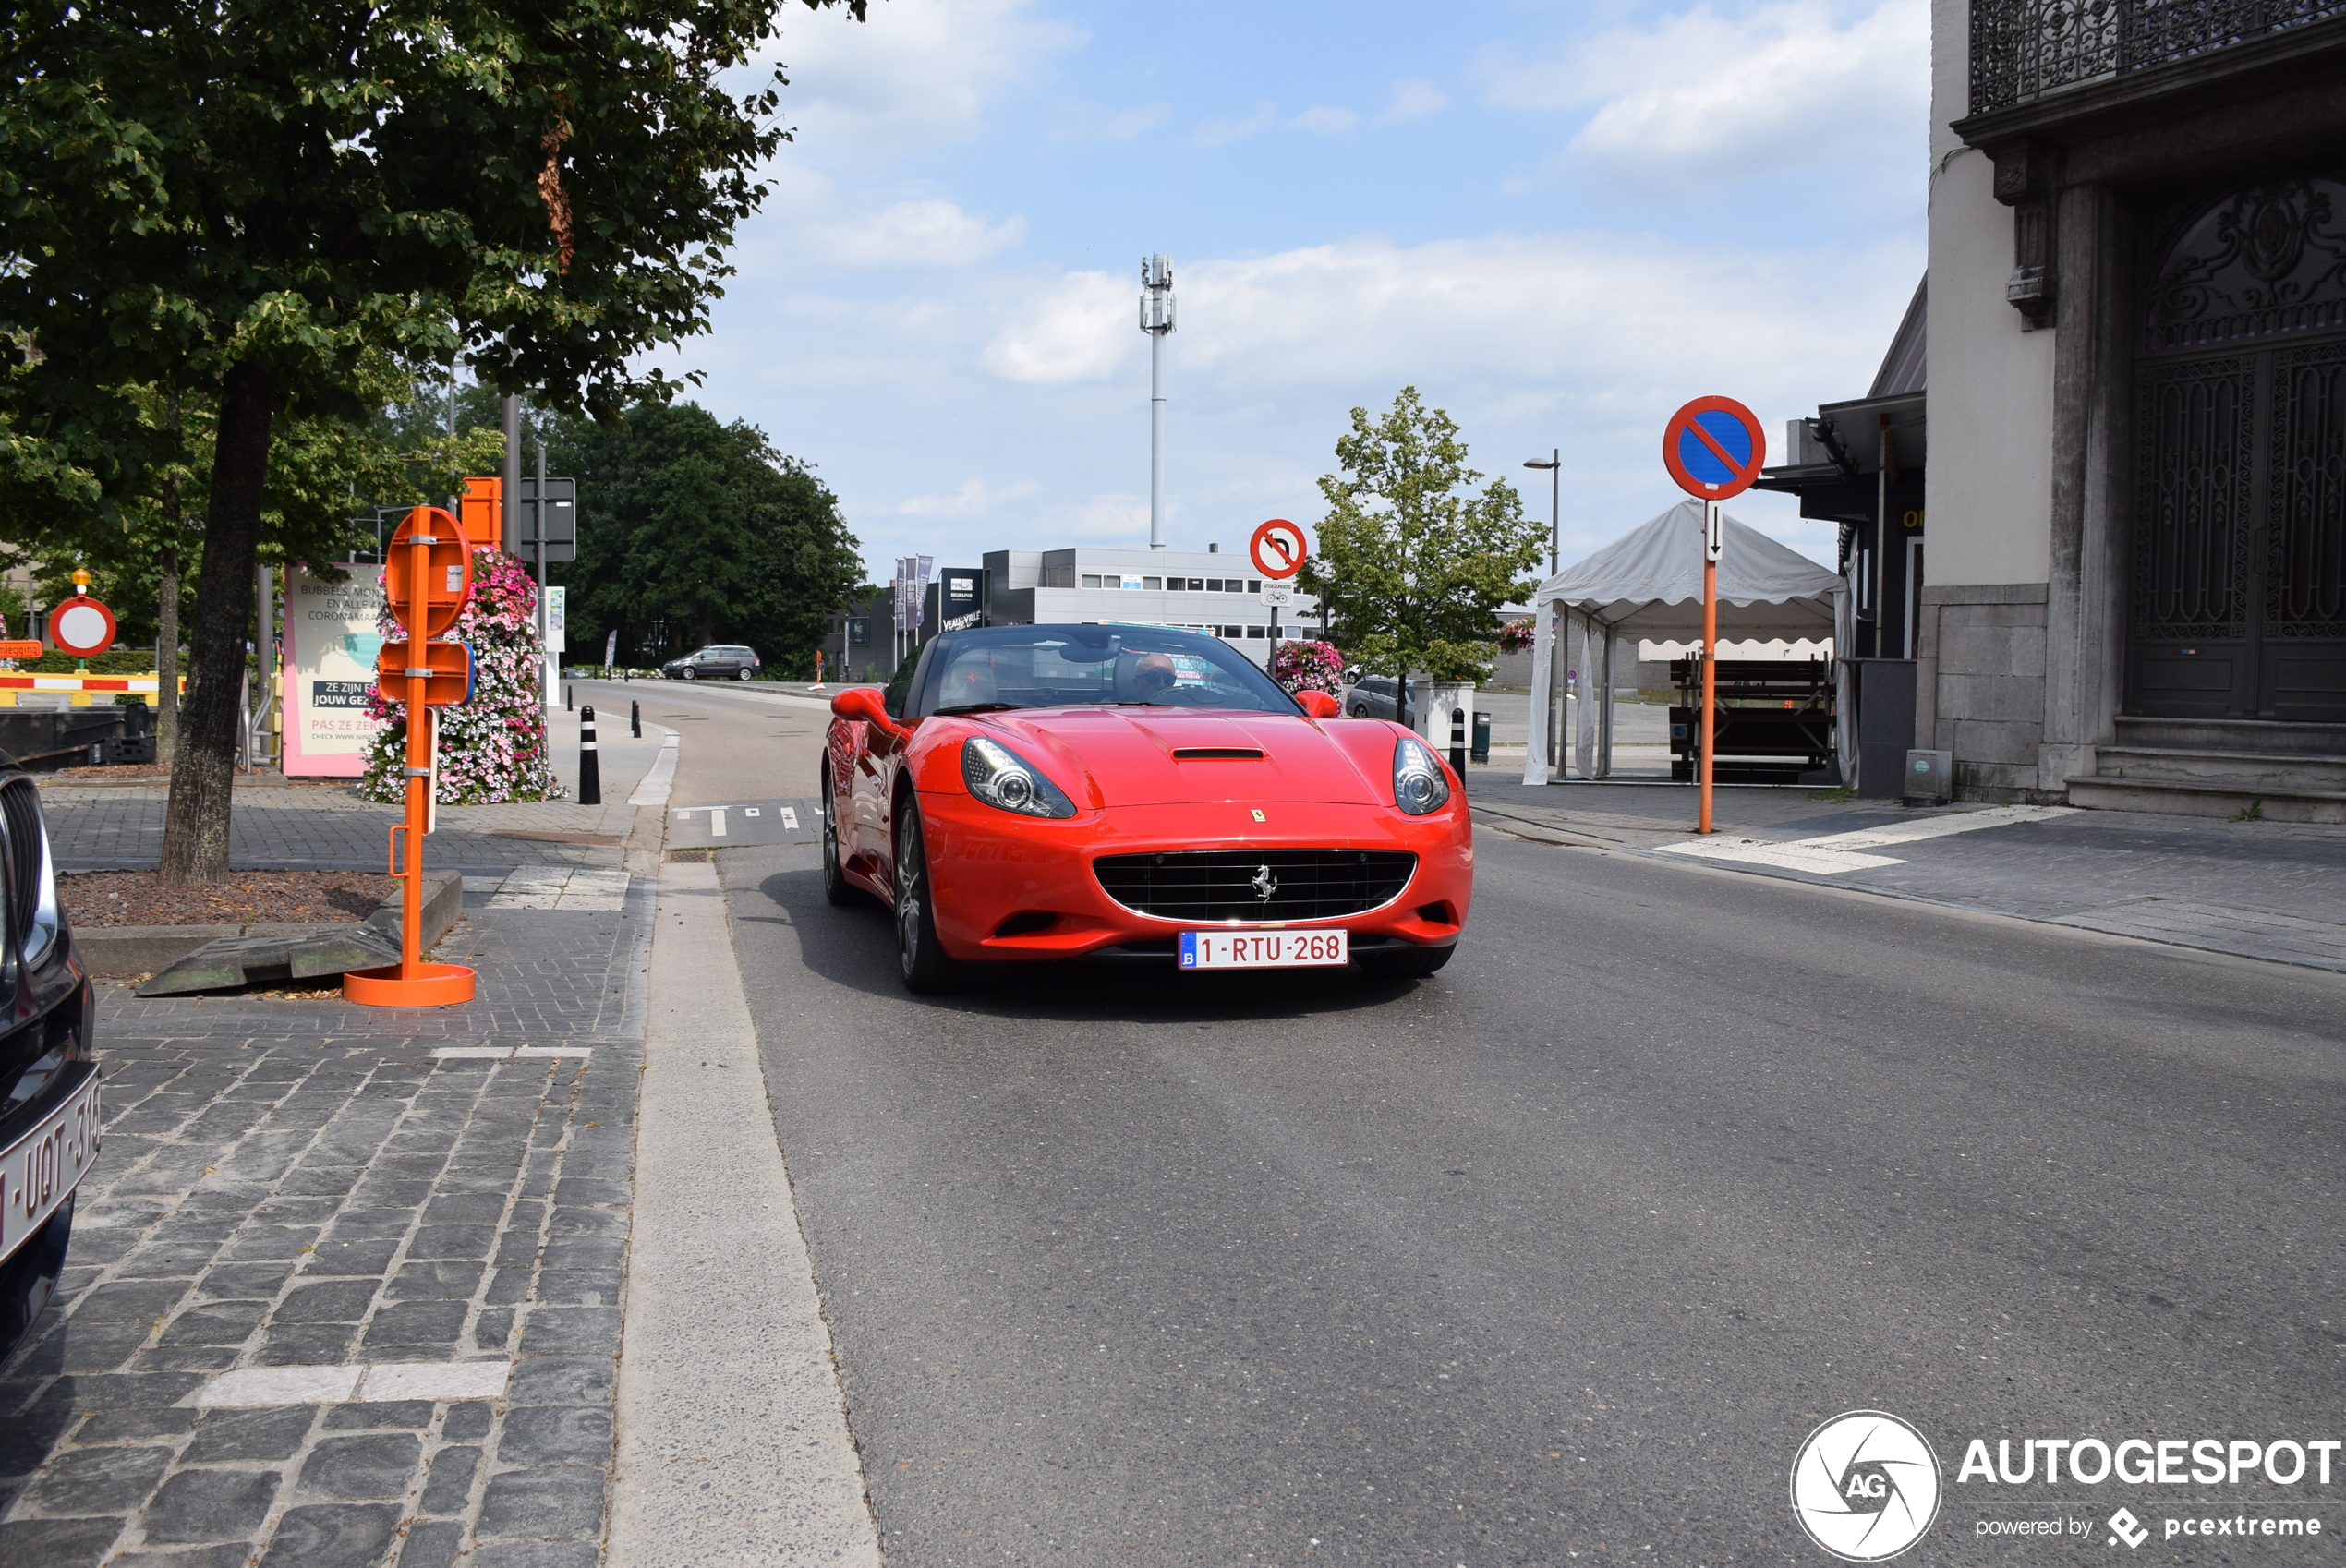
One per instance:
[(1029, 793)]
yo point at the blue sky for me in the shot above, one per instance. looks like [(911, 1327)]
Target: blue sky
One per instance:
[(1557, 221)]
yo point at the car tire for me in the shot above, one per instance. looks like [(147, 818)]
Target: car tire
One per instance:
[(835, 887), (689, 674), (742, 673), (1360, 712), (920, 958), (1414, 963)]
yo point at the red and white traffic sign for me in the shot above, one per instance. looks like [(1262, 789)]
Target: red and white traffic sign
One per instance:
[(1278, 548), (81, 626), (1714, 448)]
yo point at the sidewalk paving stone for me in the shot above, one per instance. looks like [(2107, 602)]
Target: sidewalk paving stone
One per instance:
[(291, 1192)]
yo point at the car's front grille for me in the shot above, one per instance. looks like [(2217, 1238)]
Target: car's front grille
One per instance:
[(1211, 885)]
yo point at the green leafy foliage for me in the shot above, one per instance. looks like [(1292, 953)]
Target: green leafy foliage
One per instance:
[(243, 204), (696, 532), (1412, 566)]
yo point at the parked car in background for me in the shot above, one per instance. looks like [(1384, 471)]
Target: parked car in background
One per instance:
[(49, 1106), (718, 661), (1373, 697)]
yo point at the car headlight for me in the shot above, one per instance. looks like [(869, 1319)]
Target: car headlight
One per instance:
[(999, 777), (1419, 784)]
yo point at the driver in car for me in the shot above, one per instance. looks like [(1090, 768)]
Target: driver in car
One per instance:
[(1152, 676)]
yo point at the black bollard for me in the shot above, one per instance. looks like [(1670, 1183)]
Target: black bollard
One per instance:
[(1457, 743), (636, 719), (590, 768), (569, 694)]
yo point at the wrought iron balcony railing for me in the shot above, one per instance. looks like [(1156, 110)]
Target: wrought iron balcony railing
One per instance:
[(2024, 49)]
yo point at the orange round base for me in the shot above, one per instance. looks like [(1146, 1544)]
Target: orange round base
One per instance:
[(434, 986)]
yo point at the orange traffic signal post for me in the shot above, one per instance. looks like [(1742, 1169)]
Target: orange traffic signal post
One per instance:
[(428, 575)]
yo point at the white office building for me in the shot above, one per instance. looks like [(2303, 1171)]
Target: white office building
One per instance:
[(1199, 591)]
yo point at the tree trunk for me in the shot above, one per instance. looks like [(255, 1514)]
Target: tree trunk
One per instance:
[(167, 618), (168, 640), (194, 829)]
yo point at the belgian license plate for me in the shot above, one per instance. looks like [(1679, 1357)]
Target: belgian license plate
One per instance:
[(39, 1171), (1264, 949)]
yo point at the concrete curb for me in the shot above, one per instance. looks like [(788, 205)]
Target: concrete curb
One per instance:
[(151, 949)]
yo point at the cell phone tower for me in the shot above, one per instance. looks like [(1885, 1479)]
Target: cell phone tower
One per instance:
[(1157, 319)]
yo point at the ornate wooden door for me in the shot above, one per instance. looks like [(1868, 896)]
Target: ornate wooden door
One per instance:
[(2238, 602)]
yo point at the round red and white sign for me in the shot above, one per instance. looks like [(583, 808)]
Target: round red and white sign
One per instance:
[(81, 626), (1278, 548)]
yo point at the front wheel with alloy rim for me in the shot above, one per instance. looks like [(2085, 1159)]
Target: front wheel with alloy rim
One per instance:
[(921, 957), (691, 674), (836, 886)]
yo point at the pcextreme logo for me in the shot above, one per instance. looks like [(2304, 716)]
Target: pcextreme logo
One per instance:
[(1865, 1486)]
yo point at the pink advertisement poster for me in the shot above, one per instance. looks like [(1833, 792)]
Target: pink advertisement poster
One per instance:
[(330, 643)]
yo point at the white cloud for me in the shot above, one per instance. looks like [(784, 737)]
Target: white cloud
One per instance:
[(1413, 98), (1066, 334), (1222, 132), (1122, 517), (1612, 316), (1705, 98), (974, 498), (931, 233), (918, 74), (1326, 119)]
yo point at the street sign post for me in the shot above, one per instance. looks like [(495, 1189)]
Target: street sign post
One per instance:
[(1278, 548), (1714, 448), (428, 575), (81, 626)]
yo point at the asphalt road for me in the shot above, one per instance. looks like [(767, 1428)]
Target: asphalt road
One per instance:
[(1559, 1253)]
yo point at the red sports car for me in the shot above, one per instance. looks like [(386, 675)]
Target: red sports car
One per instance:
[(1027, 792)]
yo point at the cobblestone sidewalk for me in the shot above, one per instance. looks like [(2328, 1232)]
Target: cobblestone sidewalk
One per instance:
[(431, 1222)]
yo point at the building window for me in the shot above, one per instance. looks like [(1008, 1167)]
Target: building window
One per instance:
[(1091, 579), (1197, 584), (1258, 630), (1152, 583), (1214, 584), (1128, 582), (1254, 584)]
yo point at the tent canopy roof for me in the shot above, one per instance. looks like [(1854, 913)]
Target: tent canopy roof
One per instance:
[(1648, 583)]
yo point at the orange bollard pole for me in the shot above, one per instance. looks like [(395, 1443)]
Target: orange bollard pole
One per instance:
[(412, 982)]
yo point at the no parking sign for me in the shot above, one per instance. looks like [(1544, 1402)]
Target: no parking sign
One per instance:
[(1714, 448)]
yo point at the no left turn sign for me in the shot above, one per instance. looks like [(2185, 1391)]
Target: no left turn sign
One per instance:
[(1278, 548)]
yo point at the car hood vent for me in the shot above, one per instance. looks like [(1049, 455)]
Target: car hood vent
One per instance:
[(1216, 753)]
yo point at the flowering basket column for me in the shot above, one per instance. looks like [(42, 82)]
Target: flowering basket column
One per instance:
[(1309, 667), (492, 749)]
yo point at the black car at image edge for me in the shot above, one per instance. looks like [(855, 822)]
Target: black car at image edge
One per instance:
[(49, 1105), (718, 661)]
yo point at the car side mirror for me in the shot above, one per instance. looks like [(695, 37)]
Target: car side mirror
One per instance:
[(1318, 704), (862, 702)]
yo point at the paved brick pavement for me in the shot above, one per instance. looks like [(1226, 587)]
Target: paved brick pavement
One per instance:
[(299, 1184)]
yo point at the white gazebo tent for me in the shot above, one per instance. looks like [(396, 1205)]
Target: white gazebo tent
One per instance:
[(1648, 585)]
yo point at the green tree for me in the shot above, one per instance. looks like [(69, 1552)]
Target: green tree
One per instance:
[(1412, 566), (692, 532), (239, 201)]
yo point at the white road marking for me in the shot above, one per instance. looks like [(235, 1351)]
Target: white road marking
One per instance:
[(749, 811), (252, 1387), (789, 818), (506, 1053), (1833, 853)]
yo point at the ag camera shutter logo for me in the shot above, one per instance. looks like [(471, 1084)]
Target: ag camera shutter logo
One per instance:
[(1866, 1485)]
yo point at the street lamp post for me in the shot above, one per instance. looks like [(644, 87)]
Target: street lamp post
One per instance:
[(1157, 319), (1555, 465)]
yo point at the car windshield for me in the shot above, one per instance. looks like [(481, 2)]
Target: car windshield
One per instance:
[(996, 668)]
